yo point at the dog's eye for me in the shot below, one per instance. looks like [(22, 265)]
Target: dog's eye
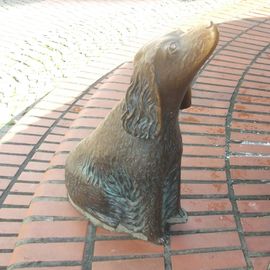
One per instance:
[(172, 47)]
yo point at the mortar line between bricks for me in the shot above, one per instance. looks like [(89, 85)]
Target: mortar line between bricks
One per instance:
[(49, 199), (120, 237), (210, 169), (206, 106), (15, 206), (43, 264), (211, 213), (258, 81), (249, 154), (43, 137), (237, 268), (21, 143), (23, 193), (252, 112), (208, 98), (252, 103), (88, 252), (218, 81), (202, 134), (204, 145), (12, 154), (239, 120), (68, 140), (111, 90), (126, 257), (259, 254), (219, 65), (261, 75), (257, 89), (248, 167), (8, 234), (202, 231), (34, 218), (167, 256), (106, 98), (20, 115), (227, 159), (27, 134), (265, 233), (203, 181), (83, 127), (256, 214), (250, 131), (204, 156), (6, 250), (204, 115), (205, 250), (206, 196), (228, 52), (196, 87), (46, 240), (258, 68), (252, 197), (198, 134), (54, 182), (256, 181), (90, 117)]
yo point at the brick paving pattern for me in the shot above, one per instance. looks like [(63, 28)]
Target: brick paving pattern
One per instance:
[(225, 175), (46, 43)]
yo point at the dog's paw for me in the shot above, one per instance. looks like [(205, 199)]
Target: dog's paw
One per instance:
[(181, 217), (164, 240)]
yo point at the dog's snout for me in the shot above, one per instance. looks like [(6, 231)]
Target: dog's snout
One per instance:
[(210, 26)]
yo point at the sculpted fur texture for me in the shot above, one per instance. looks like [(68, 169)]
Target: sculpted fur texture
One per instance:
[(125, 176)]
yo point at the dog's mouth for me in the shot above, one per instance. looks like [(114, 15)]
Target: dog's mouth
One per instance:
[(210, 26), (200, 43), (214, 34)]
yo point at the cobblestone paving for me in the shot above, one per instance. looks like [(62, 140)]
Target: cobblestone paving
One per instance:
[(43, 42)]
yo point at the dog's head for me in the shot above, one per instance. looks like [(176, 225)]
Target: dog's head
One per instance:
[(160, 84)]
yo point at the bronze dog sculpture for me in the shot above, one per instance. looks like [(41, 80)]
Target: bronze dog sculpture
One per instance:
[(125, 176)]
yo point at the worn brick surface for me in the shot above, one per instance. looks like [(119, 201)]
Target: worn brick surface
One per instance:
[(225, 167), (217, 260), (149, 264), (125, 247)]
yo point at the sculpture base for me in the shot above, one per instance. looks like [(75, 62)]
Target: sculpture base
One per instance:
[(182, 217), (98, 223)]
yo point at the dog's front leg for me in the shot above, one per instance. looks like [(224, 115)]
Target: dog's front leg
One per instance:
[(156, 230), (172, 212)]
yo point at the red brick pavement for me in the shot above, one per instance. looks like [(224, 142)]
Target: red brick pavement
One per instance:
[(225, 174)]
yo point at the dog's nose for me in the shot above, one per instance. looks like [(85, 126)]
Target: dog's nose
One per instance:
[(210, 26)]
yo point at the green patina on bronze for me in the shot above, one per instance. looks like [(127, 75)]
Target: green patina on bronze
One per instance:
[(126, 175)]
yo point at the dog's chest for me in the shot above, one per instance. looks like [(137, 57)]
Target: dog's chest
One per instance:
[(172, 144)]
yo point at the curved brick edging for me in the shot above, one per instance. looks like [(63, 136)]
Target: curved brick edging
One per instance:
[(225, 173), (26, 151), (51, 220), (78, 36)]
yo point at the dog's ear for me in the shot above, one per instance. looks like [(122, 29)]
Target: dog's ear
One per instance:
[(186, 103), (141, 110)]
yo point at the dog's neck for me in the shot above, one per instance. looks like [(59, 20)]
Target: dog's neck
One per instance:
[(170, 123)]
